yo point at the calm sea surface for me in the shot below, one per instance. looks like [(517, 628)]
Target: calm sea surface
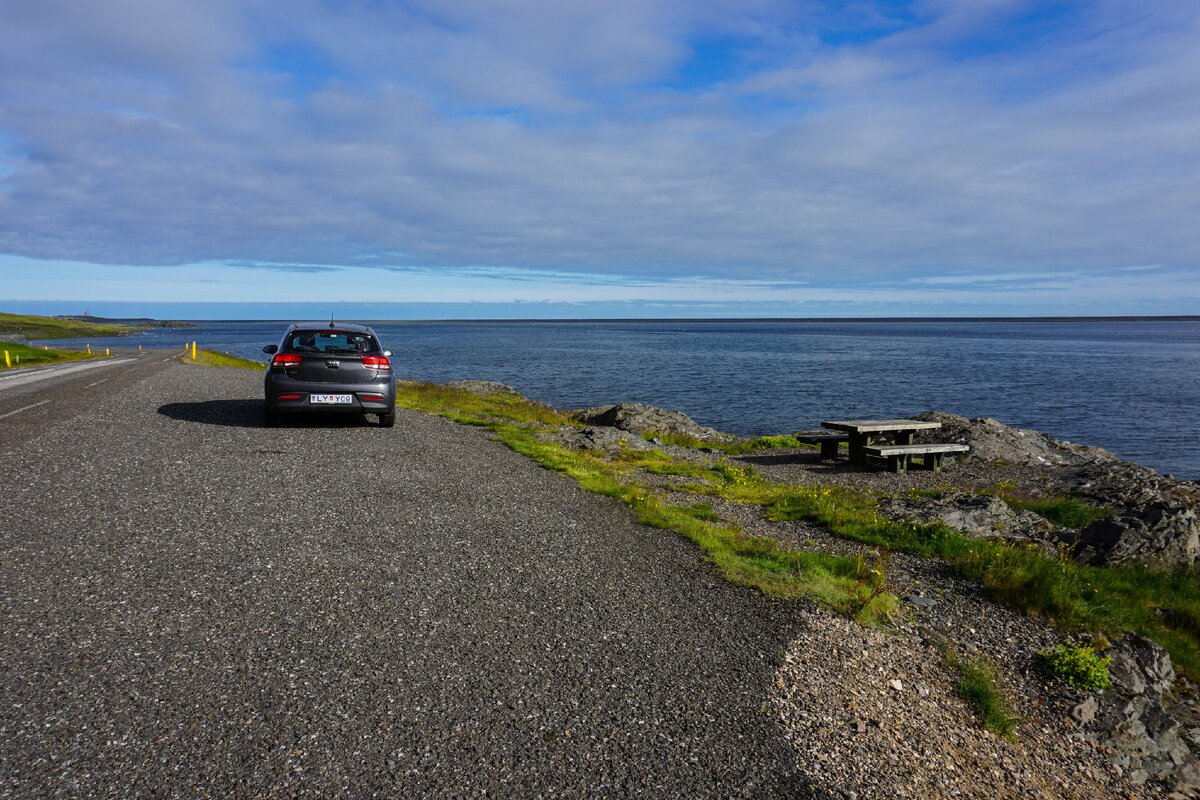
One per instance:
[(1131, 387)]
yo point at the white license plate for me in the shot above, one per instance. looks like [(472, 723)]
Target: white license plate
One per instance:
[(331, 399)]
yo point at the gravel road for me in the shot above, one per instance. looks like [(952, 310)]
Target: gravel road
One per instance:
[(194, 606)]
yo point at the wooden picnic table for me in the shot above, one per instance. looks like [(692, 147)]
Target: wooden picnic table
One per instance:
[(865, 432)]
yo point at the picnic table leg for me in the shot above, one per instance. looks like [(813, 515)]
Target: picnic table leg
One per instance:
[(898, 464), (858, 441), (904, 437), (829, 449)]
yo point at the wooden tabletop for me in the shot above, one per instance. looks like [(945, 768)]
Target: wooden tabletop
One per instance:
[(879, 425)]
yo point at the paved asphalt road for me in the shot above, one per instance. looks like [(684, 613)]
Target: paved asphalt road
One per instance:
[(194, 606)]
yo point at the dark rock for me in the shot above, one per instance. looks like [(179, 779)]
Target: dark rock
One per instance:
[(1125, 485), (1157, 536), (993, 441), (593, 438), (979, 516), (482, 387), (638, 418), (1132, 720)]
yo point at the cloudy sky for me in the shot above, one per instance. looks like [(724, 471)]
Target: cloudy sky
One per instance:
[(600, 157)]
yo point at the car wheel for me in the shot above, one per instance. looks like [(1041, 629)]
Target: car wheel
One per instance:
[(270, 417), (387, 420)]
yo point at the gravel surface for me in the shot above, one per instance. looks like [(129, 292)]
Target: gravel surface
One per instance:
[(194, 606)]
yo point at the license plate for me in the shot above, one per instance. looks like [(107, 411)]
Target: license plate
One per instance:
[(331, 399)]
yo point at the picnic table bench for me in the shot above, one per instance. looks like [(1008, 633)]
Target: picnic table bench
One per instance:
[(829, 442), (899, 456)]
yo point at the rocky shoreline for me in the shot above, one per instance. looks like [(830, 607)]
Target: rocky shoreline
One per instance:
[(872, 712)]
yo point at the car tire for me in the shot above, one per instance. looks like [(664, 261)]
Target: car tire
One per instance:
[(387, 420), (270, 417)]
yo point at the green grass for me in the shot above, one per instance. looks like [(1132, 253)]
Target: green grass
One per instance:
[(1078, 665), (473, 409), (730, 448), (1069, 512), (846, 584), (977, 683), (210, 358), (26, 356), (34, 327)]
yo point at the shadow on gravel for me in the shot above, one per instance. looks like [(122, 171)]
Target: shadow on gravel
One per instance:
[(249, 414)]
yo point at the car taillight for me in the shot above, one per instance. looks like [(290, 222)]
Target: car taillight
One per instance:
[(376, 362), (286, 360), (289, 397), (375, 398)]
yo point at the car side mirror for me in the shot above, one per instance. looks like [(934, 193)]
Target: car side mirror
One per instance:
[(271, 348), (387, 353)]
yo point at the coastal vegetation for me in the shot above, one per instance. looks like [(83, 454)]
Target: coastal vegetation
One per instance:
[(211, 358), (729, 448), (28, 326), (26, 356), (978, 684), (1164, 606), (1068, 512), (1078, 665)]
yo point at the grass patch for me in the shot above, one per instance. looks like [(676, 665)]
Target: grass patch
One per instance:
[(845, 584), (475, 409), (1078, 665), (1068, 512), (734, 448), (25, 356), (978, 684), (210, 358), (35, 327)]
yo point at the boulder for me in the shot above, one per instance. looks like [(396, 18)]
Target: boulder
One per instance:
[(482, 387), (1160, 535), (1123, 484), (993, 441), (595, 438), (1134, 722), (638, 419), (979, 516)]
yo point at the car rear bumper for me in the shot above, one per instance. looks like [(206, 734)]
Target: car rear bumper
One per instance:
[(286, 395)]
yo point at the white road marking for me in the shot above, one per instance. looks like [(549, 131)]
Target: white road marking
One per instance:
[(26, 408), (96, 383), (23, 378)]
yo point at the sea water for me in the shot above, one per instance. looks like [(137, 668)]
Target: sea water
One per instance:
[(1131, 387)]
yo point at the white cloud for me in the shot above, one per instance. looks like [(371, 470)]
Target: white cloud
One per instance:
[(540, 137)]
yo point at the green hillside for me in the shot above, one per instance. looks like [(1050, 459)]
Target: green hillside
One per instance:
[(32, 327)]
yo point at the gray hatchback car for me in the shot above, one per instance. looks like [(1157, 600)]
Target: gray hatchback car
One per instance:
[(322, 367)]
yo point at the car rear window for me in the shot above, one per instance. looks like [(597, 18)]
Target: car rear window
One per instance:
[(342, 342)]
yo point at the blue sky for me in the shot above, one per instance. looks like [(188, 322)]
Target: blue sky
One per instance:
[(618, 158)]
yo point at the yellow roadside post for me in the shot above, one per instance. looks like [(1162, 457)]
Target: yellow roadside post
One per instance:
[(45, 347), (89, 347), (106, 352), (193, 351), (7, 360)]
